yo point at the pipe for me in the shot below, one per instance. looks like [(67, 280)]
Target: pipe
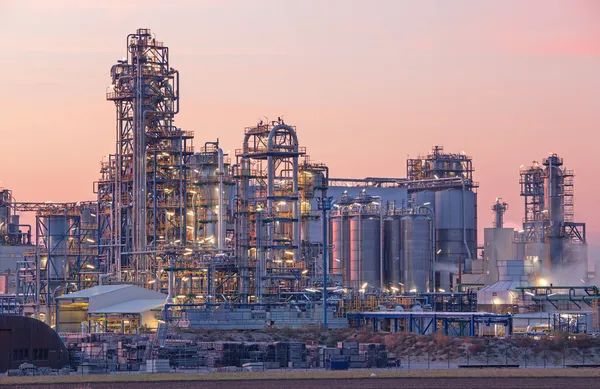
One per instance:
[(325, 206), (220, 221), (381, 281), (464, 218), (169, 299)]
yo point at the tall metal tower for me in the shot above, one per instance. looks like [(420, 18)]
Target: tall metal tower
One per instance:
[(532, 189), (548, 193), (271, 231), (144, 195)]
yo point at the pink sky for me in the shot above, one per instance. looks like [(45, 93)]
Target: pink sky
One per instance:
[(366, 83)]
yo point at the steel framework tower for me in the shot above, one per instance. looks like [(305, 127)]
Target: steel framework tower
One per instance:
[(269, 207), (548, 193), (143, 192)]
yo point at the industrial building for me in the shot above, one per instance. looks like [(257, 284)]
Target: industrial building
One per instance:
[(267, 236)]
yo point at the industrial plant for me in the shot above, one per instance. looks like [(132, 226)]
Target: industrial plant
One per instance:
[(181, 234)]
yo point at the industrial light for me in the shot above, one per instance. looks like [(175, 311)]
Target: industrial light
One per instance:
[(439, 251), (190, 213), (89, 266), (441, 290), (529, 293), (151, 281), (92, 214), (90, 240), (187, 253), (394, 288), (543, 282), (188, 249), (289, 253), (364, 285), (413, 291), (337, 260), (305, 271), (427, 203), (436, 176), (192, 191), (551, 294), (400, 283)]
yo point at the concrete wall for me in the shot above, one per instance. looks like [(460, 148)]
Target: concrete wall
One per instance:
[(498, 246)]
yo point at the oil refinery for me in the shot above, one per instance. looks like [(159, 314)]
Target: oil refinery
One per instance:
[(183, 234)]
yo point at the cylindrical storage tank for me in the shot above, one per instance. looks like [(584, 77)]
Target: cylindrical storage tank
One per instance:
[(450, 219), (392, 252), (340, 239), (422, 198), (13, 227), (365, 247), (57, 236), (416, 252)]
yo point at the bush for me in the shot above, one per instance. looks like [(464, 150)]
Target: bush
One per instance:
[(477, 348)]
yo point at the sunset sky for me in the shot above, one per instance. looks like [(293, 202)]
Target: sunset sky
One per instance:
[(367, 83)]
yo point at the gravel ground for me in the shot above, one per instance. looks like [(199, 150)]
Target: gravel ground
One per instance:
[(362, 383)]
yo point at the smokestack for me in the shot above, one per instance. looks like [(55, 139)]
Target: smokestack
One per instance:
[(499, 209)]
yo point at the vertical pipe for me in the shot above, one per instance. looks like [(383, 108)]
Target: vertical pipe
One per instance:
[(258, 272), (464, 216), (325, 252), (37, 265), (220, 221), (48, 265), (296, 216), (433, 252), (359, 267), (171, 280), (381, 283), (154, 206)]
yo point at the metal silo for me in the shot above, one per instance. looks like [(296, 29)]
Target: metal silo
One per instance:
[(340, 233), (365, 247), (416, 252), (392, 252), (456, 232), (422, 198), (57, 235)]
